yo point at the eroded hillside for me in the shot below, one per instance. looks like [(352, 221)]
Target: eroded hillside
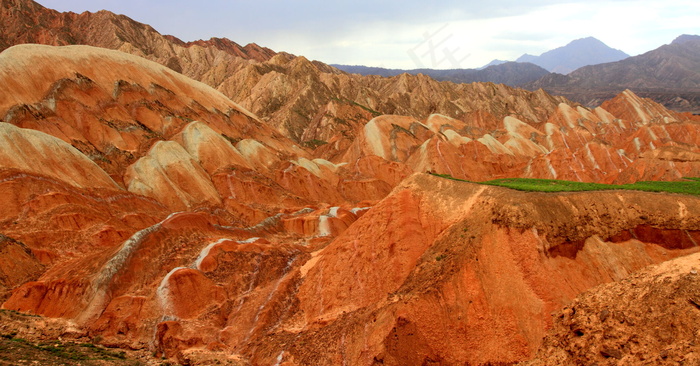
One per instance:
[(149, 211), (602, 325)]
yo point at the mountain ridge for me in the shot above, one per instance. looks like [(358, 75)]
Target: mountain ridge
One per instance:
[(311, 85), (576, 54), (668, 74), (508, 73)]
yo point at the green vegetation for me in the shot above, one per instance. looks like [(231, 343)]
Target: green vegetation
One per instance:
[(9, 311), (19, 351), (368, 109), (312, 144), (689, 186), (71, 351), (302, 113), (230, 139)]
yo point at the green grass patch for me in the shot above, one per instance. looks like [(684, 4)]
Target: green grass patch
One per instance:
[(368, 109), (313, 144), (16, 351), (689, 186), (230, 139)]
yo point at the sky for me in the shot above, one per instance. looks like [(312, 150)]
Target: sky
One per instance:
[(411, 34)]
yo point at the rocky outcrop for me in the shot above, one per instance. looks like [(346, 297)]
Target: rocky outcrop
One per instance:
[(630, 107), (112, 66), (210, 148), (171, 176), (122, 112), (451, 257), (649, 318), (23, 267), (112, 106), (38, 153)]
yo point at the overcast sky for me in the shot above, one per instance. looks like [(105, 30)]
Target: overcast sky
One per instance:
[(411, 33)]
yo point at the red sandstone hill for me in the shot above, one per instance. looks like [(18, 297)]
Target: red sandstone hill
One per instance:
[(490, 264), (303, 99), (26, 21), (149, 211), (310, 96)]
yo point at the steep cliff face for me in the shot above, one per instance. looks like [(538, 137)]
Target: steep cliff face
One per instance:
[(490, 264)]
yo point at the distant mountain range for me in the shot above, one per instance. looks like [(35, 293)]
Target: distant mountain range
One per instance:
[(509, 73), (526, 69), (576, 54), (494, 63), (669, 74)]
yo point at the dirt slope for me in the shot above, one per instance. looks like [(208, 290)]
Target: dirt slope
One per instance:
[(649, 318)]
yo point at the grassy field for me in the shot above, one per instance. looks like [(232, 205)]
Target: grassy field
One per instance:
[(19, 351), (688, 186)]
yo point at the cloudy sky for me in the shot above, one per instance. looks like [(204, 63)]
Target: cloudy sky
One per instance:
[(411, 33)]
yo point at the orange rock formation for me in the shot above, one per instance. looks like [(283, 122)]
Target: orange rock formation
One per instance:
[(149, 209), (603, 325)]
